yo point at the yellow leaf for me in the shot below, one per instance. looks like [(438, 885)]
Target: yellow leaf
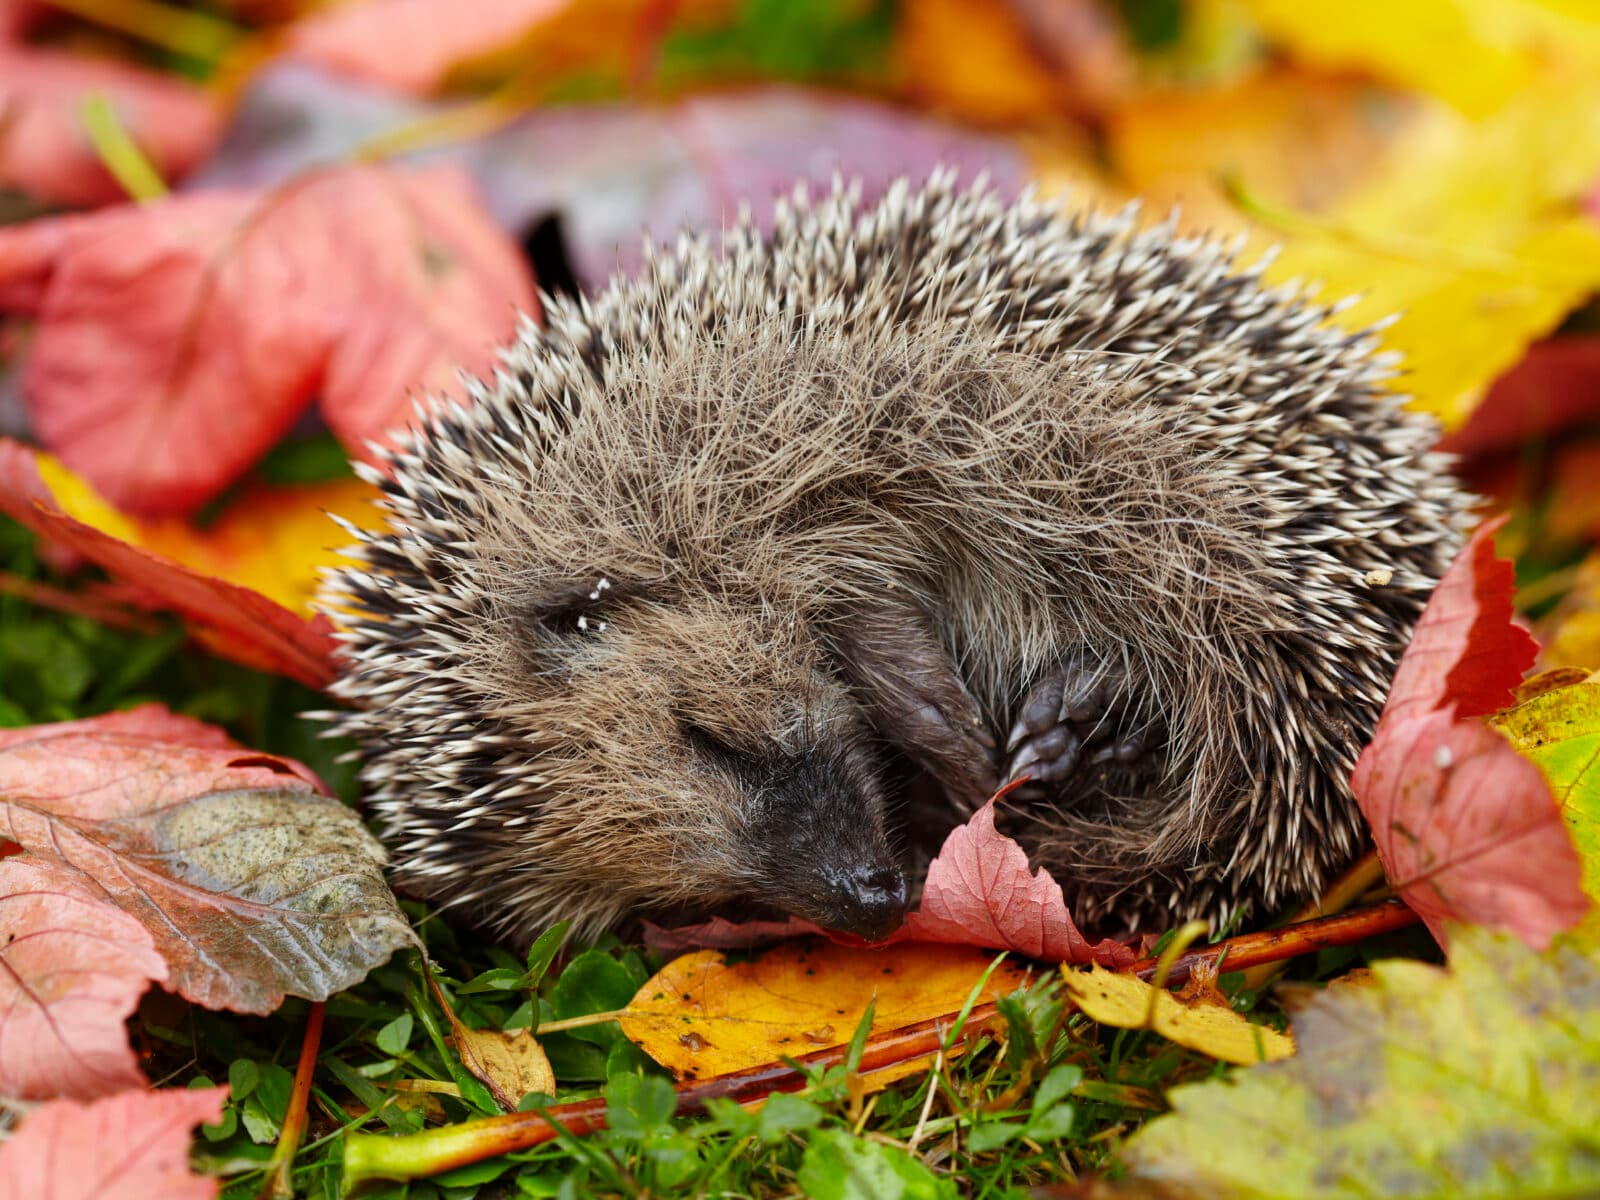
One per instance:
[(270, 539), (702, 1016), (1475, 54), (1471, 232), (1128, 1002)]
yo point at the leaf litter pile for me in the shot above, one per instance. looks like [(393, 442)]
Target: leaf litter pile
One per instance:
[(239, 242)]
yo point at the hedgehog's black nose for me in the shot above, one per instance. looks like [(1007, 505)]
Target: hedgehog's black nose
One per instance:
[(869, 901)]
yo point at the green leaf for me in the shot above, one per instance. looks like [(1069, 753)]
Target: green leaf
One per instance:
[(1055, 1087), (1053, 1124), (990, 1136), (1478, 1082), (495, 979), (544, 949), (837, 1166), (394, 1037), (638, 1104), (593, 982), (783, 1114), (263, 1111), (243, 1075)]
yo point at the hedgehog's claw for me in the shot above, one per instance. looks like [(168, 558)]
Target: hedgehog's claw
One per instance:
[(1072, 717)]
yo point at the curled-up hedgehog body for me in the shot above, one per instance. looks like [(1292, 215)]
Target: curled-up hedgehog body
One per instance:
[(737, 572)]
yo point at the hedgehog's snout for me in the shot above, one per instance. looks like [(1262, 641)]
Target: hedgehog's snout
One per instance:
[(868, 900)]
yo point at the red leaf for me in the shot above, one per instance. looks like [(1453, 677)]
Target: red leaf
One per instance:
[(1467, 828), (1466, 652), (412, 45), (250, 882), (72, 969), (132, 1146), (1555, 386), (981, 892), (43, 150), (178, 341), (233, 621)]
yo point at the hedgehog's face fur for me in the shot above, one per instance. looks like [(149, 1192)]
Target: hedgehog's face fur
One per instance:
[(699, 751)]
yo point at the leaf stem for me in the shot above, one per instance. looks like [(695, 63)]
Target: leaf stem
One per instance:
[(118, 151), (279, 1183), (192, 34)]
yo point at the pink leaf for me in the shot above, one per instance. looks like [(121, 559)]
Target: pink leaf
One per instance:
[(412, 45), (233, 621), (1467, 651), (1467, 828), (72, 969), (178, 341), (131, 1146), (981, 892), (43, 149)]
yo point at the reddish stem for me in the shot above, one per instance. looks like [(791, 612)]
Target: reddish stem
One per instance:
[(279, 1183), (1275, 945)]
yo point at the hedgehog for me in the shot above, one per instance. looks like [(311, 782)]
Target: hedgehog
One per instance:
[(742, 582)]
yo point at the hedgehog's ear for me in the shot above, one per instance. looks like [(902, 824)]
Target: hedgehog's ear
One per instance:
[(915, 697)]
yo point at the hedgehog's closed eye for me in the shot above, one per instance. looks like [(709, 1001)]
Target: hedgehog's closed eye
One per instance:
[(576, 610)]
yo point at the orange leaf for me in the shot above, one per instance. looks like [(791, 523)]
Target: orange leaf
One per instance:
[(233, 621), (701, 1016), (132, 1146), (177, 341)]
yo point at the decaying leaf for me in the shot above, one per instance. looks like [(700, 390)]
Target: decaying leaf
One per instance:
[(177, 341), (1559, 730), (981, 892), (252, 883), (701, 1016), (72, 970), (1467, 828), (1480, 1081), (1203, 1024), (131, 1146), (233, 620), (509, 1063)]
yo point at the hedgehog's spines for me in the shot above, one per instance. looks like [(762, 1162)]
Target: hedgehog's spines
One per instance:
[(1238, 406)]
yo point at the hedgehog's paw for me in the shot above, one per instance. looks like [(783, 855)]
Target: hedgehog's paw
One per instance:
[(1075, 717)]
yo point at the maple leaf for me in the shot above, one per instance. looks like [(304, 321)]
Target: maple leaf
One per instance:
[(233, 621), (250, 881), (1466, 650), (42, 148), (131, 1146), (1466, 828), (981, 891), (177, 341)]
